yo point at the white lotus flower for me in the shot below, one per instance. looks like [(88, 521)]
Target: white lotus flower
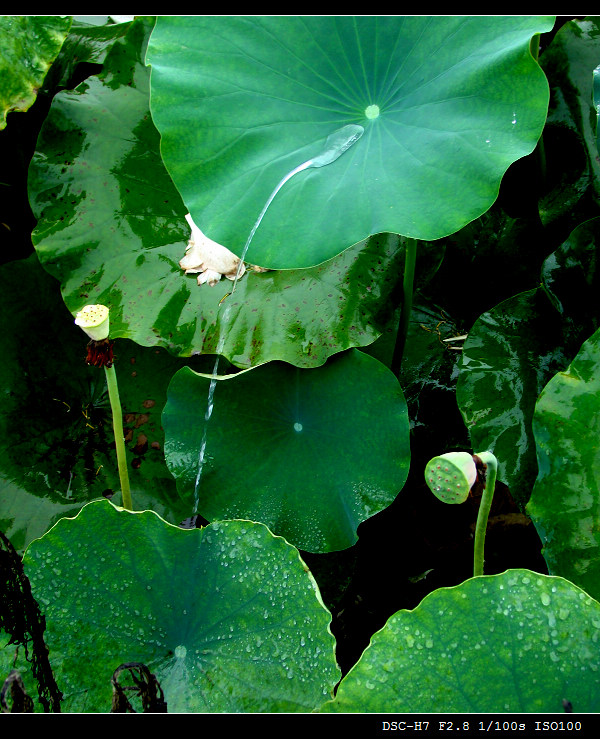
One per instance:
[(94, 320), (210, 259)]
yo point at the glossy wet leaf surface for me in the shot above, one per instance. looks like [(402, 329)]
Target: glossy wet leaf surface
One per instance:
[(227, 617), (518, 642), (309, 452), (29, 45), (111, 228), (513, 350), (56, 437), (86, 44), (509, 355), (571, 277), (447, 103), (565, 500)]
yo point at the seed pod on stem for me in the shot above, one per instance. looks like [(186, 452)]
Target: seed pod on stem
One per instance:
[(451, 476), (95, 321)]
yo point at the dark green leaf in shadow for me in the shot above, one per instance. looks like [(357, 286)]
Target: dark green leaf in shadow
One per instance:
[(228, 618), (513, 350), (565, 501), (111, 229), (433, 347), (13, 658), (572, 187), (56, 438), (571, 278), (509, 248), (447, 103), (597, 102), (309, 452), (29, 45), (510, 643), (429, 372)]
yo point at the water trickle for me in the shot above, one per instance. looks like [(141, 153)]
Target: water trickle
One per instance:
[(335, 145)]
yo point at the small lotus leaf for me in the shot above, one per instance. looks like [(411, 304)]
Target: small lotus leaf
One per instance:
[(309, 452)]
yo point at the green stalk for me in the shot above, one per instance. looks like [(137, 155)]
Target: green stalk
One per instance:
[(117, 414), (410, 259), (484, 509)]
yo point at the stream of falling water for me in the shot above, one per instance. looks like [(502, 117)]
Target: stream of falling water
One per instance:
[(335, 145)]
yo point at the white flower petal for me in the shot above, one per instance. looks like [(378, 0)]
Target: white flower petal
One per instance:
[(205, 255), (209, 276)]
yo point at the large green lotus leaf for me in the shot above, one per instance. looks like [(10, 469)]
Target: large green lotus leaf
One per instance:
[(227, 617), (510, 354), (111, 229), (572, 177), (518, 642), (446, 103), (56, 439), (29, 44), (565, 502), (309, 452)]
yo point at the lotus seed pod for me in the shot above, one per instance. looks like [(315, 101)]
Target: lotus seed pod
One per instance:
[(450, 476), (94, 320)]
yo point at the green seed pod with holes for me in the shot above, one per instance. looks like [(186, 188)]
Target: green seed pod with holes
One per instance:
[(451, 476), (94, 320)]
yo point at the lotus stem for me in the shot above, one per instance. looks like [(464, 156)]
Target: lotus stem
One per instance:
[(95, 321), (484, 510), (117, 415), (451, 476), (410, 259)]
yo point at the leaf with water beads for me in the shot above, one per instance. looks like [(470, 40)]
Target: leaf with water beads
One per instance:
[(514, 642), (227, 617)]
